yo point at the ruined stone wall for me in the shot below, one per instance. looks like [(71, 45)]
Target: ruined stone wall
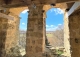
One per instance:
[(66, 35), (9, 30), (12, 33), (35, 32), (74, 28)]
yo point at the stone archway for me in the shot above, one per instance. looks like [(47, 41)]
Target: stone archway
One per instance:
[(35, 20), (9, 31), (12, 33), (39, 20)]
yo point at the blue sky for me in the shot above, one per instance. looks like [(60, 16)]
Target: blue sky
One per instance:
[(23, 20), (53, 20)]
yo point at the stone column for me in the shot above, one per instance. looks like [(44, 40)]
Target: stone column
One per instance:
[(74, 28), (35, 32), (66, 35)]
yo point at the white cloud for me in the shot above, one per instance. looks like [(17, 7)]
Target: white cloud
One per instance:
[(23, 23), (47, 25), (25, 11), (59, 24), (53, 28), (50, 26), (57, 11)]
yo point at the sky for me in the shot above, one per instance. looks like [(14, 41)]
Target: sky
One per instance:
[(53, 20), (23, 20)]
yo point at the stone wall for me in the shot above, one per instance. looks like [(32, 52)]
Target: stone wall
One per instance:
[(12, 33), (66, 35), (74, 27), (9, 30)]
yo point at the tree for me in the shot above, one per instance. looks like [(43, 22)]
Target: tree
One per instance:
[(59, 34)]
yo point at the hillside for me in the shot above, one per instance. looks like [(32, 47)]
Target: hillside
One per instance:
[(54, 40)]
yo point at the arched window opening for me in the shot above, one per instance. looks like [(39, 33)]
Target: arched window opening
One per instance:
[(23, 30), (55, 30)]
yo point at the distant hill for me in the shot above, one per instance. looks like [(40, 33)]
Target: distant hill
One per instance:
[(22, 31)]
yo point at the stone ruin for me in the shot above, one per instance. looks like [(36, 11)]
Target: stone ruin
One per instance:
[(35, 41)]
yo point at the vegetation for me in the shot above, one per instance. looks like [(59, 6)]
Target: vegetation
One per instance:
[(14, 52), (59, 52), (56, 38), (49, 35), (59, 34)]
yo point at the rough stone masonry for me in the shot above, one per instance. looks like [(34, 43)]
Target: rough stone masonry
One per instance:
[(9, 30), (35, 32)]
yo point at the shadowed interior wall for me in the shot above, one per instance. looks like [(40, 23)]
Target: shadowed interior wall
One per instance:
[(3, 33), (74, 28)]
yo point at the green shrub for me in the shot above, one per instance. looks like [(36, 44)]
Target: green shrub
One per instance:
[(14, 52), (59, 52)]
